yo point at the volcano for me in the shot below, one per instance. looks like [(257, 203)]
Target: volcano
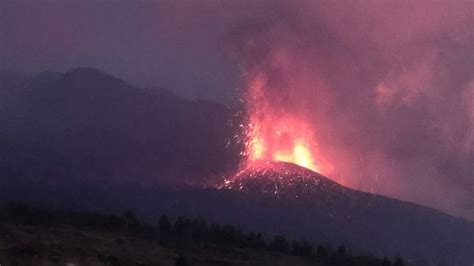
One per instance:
[(55, 139), (301, 200), (283, 180)]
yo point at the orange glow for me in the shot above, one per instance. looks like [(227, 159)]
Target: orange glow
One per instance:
[(275, 135)]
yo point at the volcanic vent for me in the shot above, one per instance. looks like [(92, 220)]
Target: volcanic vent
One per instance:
[(283, 180)]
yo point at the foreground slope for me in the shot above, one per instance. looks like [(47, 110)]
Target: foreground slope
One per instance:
[(327, 210), (32, 245), (331, 215)]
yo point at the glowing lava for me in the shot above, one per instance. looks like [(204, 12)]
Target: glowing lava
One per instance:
[(282, 139), (276, 135)]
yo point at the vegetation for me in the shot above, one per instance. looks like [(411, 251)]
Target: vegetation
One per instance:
[(183, 234)]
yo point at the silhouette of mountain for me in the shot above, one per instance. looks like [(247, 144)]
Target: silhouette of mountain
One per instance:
[(326, 210), (87, 140), (98, 126)]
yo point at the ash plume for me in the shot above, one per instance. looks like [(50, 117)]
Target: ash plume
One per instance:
[(387, 85)]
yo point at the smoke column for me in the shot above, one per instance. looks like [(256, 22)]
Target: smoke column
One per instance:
[(386, 86)]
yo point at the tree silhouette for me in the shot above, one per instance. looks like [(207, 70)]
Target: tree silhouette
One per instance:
[(279, 244), (130, 218), (256, 241), (302, 248), (200, 230), (181, 261), (398, 261), (321, 252), (341, 251), (185, 233), (164, 230), (386, 262)]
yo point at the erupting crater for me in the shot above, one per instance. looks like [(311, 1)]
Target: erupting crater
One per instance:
[(280, 152), (281, 138)]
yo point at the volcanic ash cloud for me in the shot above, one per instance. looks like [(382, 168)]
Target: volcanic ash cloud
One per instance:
[(377, 92)]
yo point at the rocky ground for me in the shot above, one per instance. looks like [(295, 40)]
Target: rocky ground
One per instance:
[(66, 245)]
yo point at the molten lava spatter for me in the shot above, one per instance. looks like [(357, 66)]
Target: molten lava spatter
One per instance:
[(273, 134), (284, 139), (283, 180)]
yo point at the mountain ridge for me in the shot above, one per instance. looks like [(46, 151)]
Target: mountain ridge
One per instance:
[(85, 140)]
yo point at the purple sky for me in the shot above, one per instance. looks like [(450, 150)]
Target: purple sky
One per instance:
[(147, 43), (389, 85)]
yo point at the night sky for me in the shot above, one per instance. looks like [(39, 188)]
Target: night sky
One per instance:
[(388, 85)]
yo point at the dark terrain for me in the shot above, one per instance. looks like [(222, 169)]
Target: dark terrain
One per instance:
[(31, 236), (87, 125), (87, 141)]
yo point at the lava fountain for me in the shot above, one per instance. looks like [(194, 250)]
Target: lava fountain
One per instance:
[(280, 151), (274, 134)]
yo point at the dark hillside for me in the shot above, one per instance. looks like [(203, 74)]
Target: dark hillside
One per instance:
[(39, 237), (104, 128)]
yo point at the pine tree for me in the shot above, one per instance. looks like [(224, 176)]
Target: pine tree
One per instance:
[(341, 251), (398, 261), (321, 252), (386, 262), (279, 244), (181, 261), (165, 230)]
